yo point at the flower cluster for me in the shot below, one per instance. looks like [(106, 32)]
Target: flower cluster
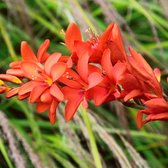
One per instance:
[(98, 70)]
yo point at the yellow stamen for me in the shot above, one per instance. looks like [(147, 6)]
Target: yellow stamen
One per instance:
[(1, 82), (16, 80), (49, 81)]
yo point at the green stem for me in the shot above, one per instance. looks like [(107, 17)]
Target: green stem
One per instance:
[(5, 154), (7, 40), (92, 140)]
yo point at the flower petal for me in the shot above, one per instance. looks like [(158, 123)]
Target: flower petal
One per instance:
[(69, 62), (41, 54), (74, 97), (81, 48), (119, 70), (129, 83), (36, 93), (100, 94), (71, 79), (56, 92), (106, 64), (15, 72), (139, 64), (46, 96), (71, 108), (10, 78), (24, 96), (27, 53), (82, 66), (158, 103), (94, 79), (139, 119), (132, 94), (154, 117), (58, 70), (41, 107), (117, 39), (31, 70), (52, 111), (28, 87), (52, 59), (2, 89), (72, 34), (106, 35), (12, 92), (15, 64)]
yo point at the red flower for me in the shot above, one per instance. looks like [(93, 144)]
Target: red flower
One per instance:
[(157, 109), (109, 88), (101, 72), (79, 85), (144, 73), (96, 45), (43, 87), (28, 55)]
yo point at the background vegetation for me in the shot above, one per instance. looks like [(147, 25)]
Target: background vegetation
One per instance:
[(107, 136)]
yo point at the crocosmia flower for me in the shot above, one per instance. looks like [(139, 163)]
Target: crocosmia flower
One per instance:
[(97, 69)]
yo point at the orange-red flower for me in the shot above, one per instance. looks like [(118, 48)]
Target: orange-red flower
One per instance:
[(28, 55), (79, 85), (43, 87), (156, 109), (113, 74), (95, 46), (98, 70), (144, 73)]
